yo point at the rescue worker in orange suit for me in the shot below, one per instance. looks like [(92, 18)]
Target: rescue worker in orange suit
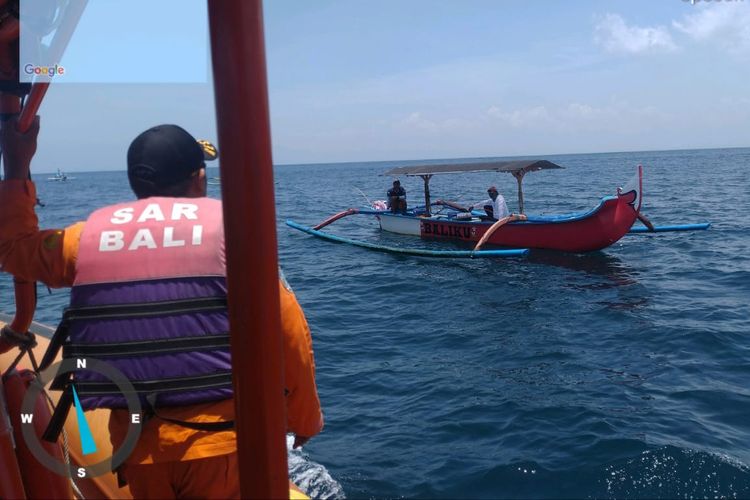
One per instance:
[(166, 171)]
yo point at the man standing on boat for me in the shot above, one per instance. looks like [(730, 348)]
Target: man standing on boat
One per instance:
[(165, 248), (495, 206), (397, 198)]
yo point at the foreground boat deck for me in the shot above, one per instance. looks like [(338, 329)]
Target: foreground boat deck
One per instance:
[(98, 487)]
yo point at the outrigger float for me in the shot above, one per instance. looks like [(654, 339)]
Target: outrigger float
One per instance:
[(587, 231)]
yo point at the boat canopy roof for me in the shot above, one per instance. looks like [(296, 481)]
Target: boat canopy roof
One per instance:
[(521, 166)]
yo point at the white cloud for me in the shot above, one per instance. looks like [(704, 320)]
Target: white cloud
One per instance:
[(727, 24), (577, 117), (417, 122), (612, 33), (522, 118), (583, 110)]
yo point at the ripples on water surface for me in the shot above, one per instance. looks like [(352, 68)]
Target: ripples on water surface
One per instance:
[(622, 373)]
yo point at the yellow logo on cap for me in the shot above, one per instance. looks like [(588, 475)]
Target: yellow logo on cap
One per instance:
[(209, 149)]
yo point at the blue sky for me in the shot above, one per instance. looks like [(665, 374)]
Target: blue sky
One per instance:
[(356, 80), (115, 42)]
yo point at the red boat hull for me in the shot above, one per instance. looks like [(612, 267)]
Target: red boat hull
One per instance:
[(600, 229)]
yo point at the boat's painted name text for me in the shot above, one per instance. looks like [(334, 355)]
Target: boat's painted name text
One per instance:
[(464, 232)]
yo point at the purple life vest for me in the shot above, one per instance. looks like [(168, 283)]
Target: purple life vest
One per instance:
[(150, 298)]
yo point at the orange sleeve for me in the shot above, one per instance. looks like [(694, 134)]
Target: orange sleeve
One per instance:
[(48, 256), (304, 416)]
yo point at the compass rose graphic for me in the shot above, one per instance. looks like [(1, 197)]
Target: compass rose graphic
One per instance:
[(87, 440)]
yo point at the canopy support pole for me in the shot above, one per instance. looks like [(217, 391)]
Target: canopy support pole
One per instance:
[(426, 179), (518, 174)]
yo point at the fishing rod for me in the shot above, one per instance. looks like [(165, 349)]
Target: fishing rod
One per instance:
[(369, 203)]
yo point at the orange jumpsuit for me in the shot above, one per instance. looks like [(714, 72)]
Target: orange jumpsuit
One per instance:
[(169, 460)]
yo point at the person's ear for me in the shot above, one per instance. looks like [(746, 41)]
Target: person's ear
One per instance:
[(199, 185)]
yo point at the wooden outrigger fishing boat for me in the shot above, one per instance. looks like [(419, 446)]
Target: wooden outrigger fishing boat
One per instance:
[(587, 231)]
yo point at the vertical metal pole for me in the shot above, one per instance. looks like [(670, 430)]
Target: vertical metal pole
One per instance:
[(426, 179), (239, 69), (519, 178)]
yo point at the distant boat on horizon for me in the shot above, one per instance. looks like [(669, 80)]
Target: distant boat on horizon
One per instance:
[(60, 176)]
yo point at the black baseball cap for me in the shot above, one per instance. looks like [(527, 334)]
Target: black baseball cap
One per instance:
[(167, 154)]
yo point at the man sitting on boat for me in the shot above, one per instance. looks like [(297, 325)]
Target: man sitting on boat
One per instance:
[(166, 248), (495, 206), (397, 198)]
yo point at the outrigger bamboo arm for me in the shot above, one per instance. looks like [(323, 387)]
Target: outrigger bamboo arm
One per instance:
[(336, 217), (494, 227), (646, 222)]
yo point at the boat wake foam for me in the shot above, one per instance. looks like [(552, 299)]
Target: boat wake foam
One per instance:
[(311, 477), (671, 472)]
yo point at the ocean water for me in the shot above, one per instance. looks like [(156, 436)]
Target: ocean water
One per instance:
[(620, 373)]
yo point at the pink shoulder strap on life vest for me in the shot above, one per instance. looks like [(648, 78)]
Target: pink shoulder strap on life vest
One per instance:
[(150, 239)]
